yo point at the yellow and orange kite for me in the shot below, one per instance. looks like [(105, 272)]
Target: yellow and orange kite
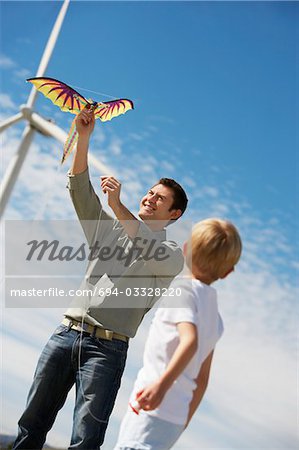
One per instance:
[(67, 99)]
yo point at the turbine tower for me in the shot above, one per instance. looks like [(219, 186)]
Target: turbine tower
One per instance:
[(35, 122)]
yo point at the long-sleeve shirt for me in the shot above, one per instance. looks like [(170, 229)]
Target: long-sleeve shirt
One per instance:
[(138, 272)]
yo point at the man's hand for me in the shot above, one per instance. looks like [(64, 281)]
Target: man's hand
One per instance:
[(112, 187), (150, 397), (85, 122)]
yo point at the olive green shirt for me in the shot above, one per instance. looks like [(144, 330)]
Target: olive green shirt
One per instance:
[(138, 272)]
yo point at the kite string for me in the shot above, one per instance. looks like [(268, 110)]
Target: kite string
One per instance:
[(94, 92), (39, 216)]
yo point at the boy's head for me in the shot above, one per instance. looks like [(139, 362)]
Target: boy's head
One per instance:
[(213, 250), (166, 201)]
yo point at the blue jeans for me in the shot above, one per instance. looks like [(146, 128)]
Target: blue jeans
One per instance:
[(95, 366)]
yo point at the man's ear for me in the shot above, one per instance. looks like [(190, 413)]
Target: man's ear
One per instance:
[(175, 214), (227, 273)]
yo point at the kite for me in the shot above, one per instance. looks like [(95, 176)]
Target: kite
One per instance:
[(67, 99)]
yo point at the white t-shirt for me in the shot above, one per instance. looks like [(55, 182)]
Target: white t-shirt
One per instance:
[(196, 304)]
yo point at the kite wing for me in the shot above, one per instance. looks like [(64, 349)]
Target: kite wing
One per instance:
[(67, 99), (107, 110), (62, 95)]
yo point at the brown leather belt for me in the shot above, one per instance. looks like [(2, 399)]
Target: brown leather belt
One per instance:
[(97, 332)]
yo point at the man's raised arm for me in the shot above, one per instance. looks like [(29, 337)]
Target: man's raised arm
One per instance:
[(87, 204), (84, 125)]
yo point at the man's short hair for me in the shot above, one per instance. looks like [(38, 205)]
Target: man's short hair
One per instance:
[(180, 199), (214, 248)]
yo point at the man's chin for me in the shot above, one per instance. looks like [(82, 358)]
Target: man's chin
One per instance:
[(145, 216)]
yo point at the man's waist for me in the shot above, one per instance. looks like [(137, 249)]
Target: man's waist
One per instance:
[(95, 331)]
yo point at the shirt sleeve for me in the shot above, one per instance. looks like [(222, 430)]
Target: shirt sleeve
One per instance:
[(163, 258), (94, 220), (180, 307)]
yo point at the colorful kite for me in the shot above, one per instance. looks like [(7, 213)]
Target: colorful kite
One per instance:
[(67, 99)]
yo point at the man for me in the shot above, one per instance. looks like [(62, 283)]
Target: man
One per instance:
[(89, 348)]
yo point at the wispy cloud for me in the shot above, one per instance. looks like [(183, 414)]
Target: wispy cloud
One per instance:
[(115, 146), (6, 62), (22, 74), (210, 191), (6, 102), (17, 73)]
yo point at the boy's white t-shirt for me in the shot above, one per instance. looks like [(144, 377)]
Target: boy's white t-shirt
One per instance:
[(196, 304)]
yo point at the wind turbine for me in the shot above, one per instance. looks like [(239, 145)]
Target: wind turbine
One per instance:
[(35, 122)]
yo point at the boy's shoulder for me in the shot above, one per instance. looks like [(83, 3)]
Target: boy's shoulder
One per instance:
[(180, 295), (203, 290), (186, 292)]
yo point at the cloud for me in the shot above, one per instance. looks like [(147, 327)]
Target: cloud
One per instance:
[(6, 62), (170, 168), (209, 191), (24, 40), (260, 369), (136, 136), (6, 102), (188, 181), (22, 74), (115, 146)]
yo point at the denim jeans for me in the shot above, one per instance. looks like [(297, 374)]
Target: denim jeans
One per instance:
[(95, 366)]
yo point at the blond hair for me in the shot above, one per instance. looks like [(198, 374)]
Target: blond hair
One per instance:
[(214, 248)]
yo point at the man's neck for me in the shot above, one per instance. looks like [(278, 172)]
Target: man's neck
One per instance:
[(154, 225)]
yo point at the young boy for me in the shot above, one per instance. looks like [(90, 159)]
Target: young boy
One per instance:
[(179, 349)]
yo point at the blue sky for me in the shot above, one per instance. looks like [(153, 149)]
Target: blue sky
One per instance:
[(214, 90)]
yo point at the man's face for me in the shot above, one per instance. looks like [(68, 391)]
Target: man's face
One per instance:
[(157, 204)]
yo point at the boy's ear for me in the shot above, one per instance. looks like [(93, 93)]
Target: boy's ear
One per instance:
[(185, 246), (227, 273)]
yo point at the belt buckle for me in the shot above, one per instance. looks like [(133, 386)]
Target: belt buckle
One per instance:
[(109, 334)]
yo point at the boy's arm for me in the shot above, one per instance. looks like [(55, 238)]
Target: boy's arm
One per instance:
[(202, 383), (150, 397)]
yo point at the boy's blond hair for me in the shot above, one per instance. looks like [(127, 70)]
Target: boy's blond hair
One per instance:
[(214, 248)]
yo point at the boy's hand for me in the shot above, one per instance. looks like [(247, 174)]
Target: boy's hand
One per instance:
[(85, 122), (150, 397), (111, 186)]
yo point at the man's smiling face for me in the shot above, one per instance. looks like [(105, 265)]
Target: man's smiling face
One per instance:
[(157, 205)]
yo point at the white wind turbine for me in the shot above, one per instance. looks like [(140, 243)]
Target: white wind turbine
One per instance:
[(35, 122)]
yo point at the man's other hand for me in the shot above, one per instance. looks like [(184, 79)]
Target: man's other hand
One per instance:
[(112, 187)]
